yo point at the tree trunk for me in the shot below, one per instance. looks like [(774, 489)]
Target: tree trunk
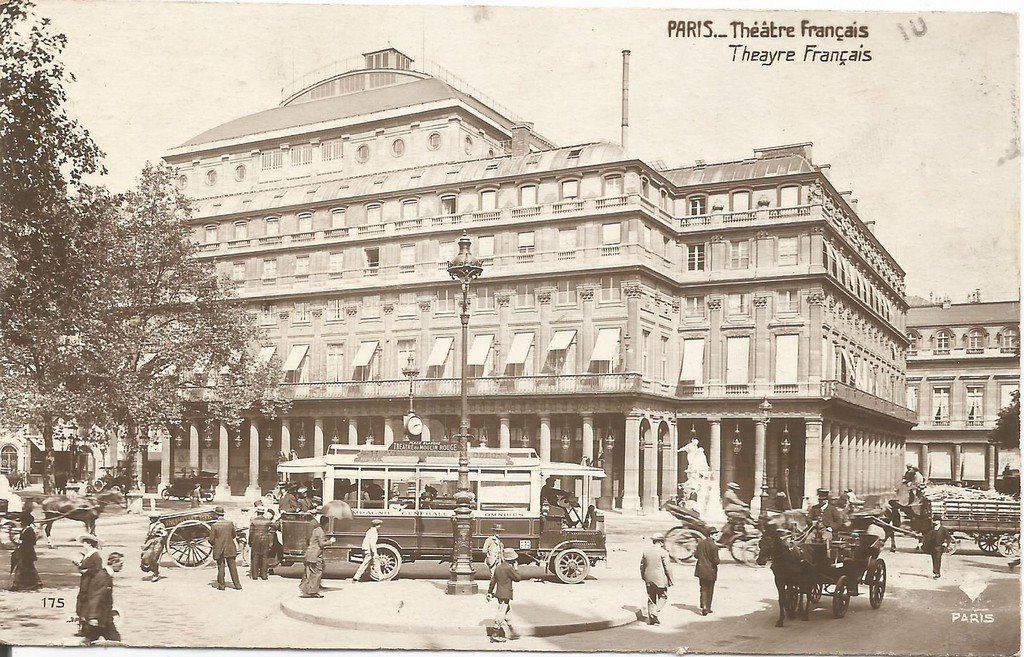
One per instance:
[(131, 444), (48, 456)]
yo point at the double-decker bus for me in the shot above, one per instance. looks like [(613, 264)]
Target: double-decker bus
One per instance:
[(411, 486)]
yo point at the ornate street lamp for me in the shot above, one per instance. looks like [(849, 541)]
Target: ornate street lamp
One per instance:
[(208, 437), (566, 441), (524, 438), (302, 438), (785, 444), (269, 439), (465, 268), (765, 410), (737, 440), (335, 439), (483, 437), (238, 437), (411, 372)]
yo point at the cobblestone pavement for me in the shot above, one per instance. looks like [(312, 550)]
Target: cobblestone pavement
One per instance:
[(919, 614)]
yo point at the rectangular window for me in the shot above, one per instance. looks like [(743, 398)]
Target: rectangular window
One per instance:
[(410, 209), (372, 257), (940, 404), (238, 271), (788, 301), (335, 366), (273, 227), (371, 306), (789, 197), (373, 214), (337, 262), (912, 398), (334, 310), (694, 257), (566, 293), (525, 242), (739, 255), (788, 251), (331, 150), (488, 200), (270, 268), (485, 246), (448, 205), (407, 258), (528, 195), (407, 306), (737, 362), (786, 352), (302, 155), (694, 306), (210, 235), (305, 223), (448, 251), (611, 234), (445, 300), (406, 353), (663, 353), (739, 304), (692, 371), (570, 190), (268, 314), (740, 201), (524, 295), (610, 290), (242, 230), (975, 406), (301, 312), (484, 298), (613, 186), (338, 218), (567, 241), (302, 265), (698, 206), (645, 353), (271, 160)]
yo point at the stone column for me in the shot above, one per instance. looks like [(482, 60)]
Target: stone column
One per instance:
[(835, 462), (633, 291), (815, 302), (716, 370), (353, 430), (504, 432), (844, 460), (762, 342), (318, 436), (826, 461), (957, 455), (857, 464), (631, 465), (392, 430), (223, 490), (165, 459), (193, 445), (650, 499), (669, 463), (991, 467), (606, 500), (812, 460), (253, 490), (545, 438), (729, 457), (286, 436), (714, 510), (923, 461), (759, 473)]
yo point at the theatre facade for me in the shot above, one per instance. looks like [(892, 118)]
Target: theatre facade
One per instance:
[(624, 308)]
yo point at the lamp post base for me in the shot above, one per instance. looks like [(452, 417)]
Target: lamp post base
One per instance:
[(461, 580), (462, 587)]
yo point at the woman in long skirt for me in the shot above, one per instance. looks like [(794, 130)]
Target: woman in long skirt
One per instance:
[(23, 559)]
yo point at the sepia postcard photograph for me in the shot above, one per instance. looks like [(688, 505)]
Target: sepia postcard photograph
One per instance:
[(573, 329)]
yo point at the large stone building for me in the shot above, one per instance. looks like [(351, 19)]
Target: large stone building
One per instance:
[(963, 365), (623, 309)]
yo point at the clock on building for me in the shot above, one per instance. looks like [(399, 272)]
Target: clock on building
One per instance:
[(413, 425)]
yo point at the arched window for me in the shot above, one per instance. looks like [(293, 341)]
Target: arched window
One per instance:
[(570, 190), (410, 209), (448, 205), (942, 340), (373, 213), (613, 185), (305, 222), (645, 187), (210, 234), (489, 199), (241, 230), (528, 195), (1009, 339), (976, 340), (8, 458), (338, 218), (273, 226)]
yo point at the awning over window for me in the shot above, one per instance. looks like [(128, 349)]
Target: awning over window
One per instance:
[(693, 361), (295, 357), (521, 344), (561, 340), (365, 354), (479, 350), (266, 353), (439, 354), (607, 345)]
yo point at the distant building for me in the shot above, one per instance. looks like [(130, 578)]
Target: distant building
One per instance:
[(15, 452), (963, 365), (624, 307)]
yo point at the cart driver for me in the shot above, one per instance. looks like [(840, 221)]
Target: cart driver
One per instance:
[(828, 518), (736, 511)]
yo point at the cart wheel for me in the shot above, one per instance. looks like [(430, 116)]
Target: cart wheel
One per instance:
[(389, 562), (953, 546), (840, 598), (876, 583), (682, 543), (1009, 545), (165, 494), (10, 534), (570, 566), (189, 544), (737, 547), (988, 543), (815, 595)]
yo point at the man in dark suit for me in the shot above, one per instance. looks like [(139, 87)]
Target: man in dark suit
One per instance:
[(222, 537), (261, 540), (935, 542), (505, 573), (288, 503), (706, 570), (657, 575), (98, 609), (828, 516)]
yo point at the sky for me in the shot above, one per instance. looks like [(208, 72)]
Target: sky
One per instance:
[(925, 134)]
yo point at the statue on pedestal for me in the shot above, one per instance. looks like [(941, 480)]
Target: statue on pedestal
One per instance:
[(697, 486)]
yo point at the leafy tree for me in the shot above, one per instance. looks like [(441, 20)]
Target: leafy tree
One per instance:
[(1006, 434), (170, 337)]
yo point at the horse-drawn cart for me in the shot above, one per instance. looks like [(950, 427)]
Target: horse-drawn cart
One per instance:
[(994, 524), (188, 537), (853, 563)]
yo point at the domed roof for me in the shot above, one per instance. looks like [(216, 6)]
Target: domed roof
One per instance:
[(297, 115)]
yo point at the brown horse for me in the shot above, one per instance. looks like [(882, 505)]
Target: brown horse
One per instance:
[(85, 509), (792, 567)]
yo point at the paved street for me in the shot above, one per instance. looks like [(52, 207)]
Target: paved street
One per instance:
[(916, 617)]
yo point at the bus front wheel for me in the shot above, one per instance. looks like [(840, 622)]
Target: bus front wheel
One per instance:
[(388, 563)]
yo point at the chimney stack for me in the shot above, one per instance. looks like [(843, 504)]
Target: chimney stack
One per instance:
[(521, 139), (946, 303), (625, 98)]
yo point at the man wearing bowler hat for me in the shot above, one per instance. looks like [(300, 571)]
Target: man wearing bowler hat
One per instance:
[(222, 537)]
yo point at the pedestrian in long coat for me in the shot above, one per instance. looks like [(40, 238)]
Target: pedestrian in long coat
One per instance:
[(493, 548), (222, 537), (935, 542), (90, 563), (657, 575), (23, 558), (152, 550), (98, 606), (706, 570), (262, 532), (314, 560)]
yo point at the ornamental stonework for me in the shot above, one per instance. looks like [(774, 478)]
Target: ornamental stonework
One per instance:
[(760, 302)]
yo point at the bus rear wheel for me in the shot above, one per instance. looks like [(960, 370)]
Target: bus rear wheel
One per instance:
[(571, 566)]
